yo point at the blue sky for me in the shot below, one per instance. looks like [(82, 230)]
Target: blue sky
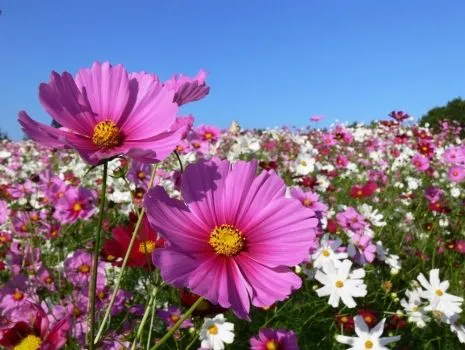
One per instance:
[(269, 62)]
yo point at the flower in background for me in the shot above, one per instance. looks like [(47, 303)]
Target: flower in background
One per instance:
[(139, 174), (4, 212), (271, 339), (420, 162), (215, 332), (76, 204), (341, 283), (456, 174), (105, 112), (367, 338), (237, 237), (361, 248), (329, 251), (305, 164), (78, 269), (188, 89), (172, 315), (208, 133)]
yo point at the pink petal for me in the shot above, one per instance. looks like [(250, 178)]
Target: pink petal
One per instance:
[(106, 88), (173, 220), (268, 284), (41, 133), (175, 266), (62, 99)]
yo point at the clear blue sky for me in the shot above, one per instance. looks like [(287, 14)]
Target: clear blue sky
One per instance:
[(269, 62)]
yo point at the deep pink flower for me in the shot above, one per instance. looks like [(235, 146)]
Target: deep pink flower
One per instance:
[(362, 249), (31, 329), (351, 219), (234, 238), (188, 89), (279, 339), (105, 112), (78, 269), (76, 204), (172, 315), (208, 133), (456, 173), (4, 212), (420, 162)]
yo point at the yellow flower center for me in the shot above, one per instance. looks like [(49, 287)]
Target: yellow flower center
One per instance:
[(17, 295), (439, 292), (84, 268), (303, 163), (141, 175), (226, 240), (368, 344), (111, 257), (213, 330), (175, 317), (339, 284), (325, 252), (455, 173), (106, 135), (77, 207), (307, 202), (271, 345), (146, 247), (31, 342), (208, 135)]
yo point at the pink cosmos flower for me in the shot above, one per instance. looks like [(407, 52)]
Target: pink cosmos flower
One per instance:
[(188, 89), (362, 249), (234, 237), (351, 219), (105, 112), (77, 203), (316, 118), (78, 268), (456, 173), (274, 339), (139, 174), (341, 161), (208, 133), (420, 162), (172, 315)]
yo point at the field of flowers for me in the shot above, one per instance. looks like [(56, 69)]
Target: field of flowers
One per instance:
[(130, 227)]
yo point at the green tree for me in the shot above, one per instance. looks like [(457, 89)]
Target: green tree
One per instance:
[(453, 110)]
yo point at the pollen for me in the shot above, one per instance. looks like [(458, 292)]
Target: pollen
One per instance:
[(31, 342), (208, 135), (339, 284), (106, 135), (226, 240), (325, 252), (369, 344), (141, 175), (174, 317), (307, 202), (213, 330), (18, 295), (439, 292), (77, 207), (84, 268), (146, 247), (271, 345)]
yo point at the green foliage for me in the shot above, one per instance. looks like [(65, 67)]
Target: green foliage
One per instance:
[(454, 110)]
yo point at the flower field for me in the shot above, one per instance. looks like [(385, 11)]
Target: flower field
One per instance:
[(129, 226)]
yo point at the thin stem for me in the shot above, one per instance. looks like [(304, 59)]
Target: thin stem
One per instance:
[(93, 281), (123, 266), (179, 160), (178, 324), (148, 309), (149, 337)]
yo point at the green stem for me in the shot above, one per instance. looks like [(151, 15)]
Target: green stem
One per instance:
[(177, 324), (123, 266), (180, 162), (93, 281), (149, 337), (148, 309)]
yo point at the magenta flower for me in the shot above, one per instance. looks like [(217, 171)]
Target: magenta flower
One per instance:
[(207, 133), (139, 174), (456, 173), (351, 219), (105, 112), (76, 204), (14, 293), (433, 194), (274, 339), (171, 316), (362, 249), (78, 268), (420, 162), (188, 89), (309, 200), (234, 238)]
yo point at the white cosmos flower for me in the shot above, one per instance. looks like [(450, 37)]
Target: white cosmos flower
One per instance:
[(328, 252), (382, 254), (305, 164), (459, 330), (340, 283), (215, 332), (372, 215), (366, 338), (435, 293), (414, 309)]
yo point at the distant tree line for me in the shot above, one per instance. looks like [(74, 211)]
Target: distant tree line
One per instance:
[(454, 110)]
